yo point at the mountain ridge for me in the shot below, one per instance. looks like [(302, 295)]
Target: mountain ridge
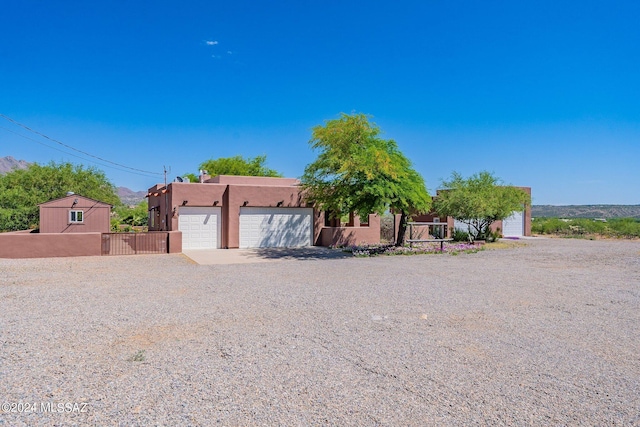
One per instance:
[(586, 211), (8, 163), (130, 197)]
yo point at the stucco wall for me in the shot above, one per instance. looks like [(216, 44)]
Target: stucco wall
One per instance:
[(41, 245), (349, 236), (54, 215), (175, 242), (178, 194)]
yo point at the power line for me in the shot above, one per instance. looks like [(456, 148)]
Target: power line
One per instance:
[(74, 155), (75, 149)]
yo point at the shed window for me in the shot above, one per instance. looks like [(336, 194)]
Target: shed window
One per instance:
[(76, 216)]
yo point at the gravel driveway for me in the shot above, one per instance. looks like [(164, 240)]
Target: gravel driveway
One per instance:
[(545, 334)]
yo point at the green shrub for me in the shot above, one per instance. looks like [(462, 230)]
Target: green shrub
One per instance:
[(549, 226), (625, 227), (493, 236), (460, 235), (581, 227)]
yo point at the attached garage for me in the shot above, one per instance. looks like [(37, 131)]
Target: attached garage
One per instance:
[(513, 226), (200, 227), (275, 227)]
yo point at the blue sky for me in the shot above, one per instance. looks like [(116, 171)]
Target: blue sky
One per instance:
[(543, 94)]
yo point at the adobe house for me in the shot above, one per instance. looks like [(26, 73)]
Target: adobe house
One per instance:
[(74, 214), (247, 212)]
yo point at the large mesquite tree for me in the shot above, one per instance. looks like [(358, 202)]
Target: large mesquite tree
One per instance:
[(357, 171), (479, 201)]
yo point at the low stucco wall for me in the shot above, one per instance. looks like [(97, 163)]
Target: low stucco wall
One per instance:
[(175, 242), (45, 245), (355, 234), (348, 236)]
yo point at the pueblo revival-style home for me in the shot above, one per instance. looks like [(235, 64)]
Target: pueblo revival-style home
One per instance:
[(249, 212), (219, 212), (256, 212)]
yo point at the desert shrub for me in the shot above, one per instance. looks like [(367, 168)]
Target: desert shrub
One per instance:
[(492, 236), (387, 234), (549, 226), (625, 227), (582, 227), (460, 235), (588, 226)]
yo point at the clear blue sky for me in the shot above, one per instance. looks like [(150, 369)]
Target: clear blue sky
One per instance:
[(544, 94)]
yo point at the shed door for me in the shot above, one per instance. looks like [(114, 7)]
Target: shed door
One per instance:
[(200, 227), (275, 227), (513, 226)]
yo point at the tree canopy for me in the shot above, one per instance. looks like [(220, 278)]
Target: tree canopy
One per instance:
[(137, 215), (358, 171), (479, 201), (22, 190), (238, 165)]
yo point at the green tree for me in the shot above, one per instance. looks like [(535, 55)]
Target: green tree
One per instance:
[(357, 171), (135, 216), (192, 177), (479, 201), (237, 165), (22, 190)]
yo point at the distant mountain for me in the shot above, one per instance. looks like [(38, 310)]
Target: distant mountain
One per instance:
[(130, 197), (586, 211), (8, 163)]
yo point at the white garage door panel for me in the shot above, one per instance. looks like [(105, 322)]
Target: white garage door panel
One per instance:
[(459, 225), (200, 227), (275, 227), (513, 226)]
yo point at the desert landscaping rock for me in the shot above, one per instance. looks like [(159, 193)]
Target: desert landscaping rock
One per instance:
[(541, 334)]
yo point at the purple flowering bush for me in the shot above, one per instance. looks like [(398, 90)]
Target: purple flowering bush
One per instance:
[(454, 248)]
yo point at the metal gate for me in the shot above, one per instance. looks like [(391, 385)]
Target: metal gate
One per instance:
[(153, 242)]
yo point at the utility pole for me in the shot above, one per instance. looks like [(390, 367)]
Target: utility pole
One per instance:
[(166, 201)]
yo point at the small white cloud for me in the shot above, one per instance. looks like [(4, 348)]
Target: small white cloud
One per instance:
[(211, 42)]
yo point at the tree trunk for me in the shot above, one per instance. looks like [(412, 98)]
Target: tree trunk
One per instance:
[(402, 229)]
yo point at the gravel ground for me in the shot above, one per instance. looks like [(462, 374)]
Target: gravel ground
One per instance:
[(542, 334)]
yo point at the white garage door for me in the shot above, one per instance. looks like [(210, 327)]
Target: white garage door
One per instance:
[(200, 227), (459, 225), (275, 227), (513, 226)]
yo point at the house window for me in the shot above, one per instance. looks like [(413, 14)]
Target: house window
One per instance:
[(76, 216)]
